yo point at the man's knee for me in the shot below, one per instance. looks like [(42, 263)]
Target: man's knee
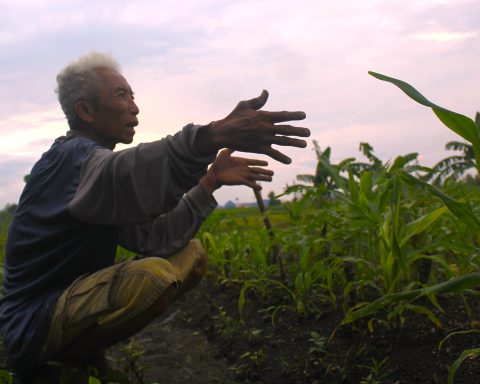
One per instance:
[(200, 267), (138, 286), (153, 267)]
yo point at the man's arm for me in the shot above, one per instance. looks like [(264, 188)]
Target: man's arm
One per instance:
[(169, 233), (248, 129), (138, 184)]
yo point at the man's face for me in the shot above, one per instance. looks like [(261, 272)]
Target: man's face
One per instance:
[(115, 112)]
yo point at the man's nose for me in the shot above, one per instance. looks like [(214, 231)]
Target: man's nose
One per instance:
[(134, 108)]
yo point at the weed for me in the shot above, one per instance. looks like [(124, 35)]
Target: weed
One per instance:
[(377, 371)]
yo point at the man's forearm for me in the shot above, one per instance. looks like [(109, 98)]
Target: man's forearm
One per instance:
[(170, 232), (137, 184)]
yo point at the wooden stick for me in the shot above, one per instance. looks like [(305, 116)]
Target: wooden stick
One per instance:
[(276, 257)]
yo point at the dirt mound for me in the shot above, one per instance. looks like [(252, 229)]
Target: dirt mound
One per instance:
[(174, 349), (202, 340)]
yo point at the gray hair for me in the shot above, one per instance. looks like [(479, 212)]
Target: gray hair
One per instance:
[(79, 81)]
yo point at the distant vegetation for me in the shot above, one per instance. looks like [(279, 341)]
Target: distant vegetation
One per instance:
[(369, 237), (6, 215)]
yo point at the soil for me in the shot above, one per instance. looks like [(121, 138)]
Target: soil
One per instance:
[(203, 340)]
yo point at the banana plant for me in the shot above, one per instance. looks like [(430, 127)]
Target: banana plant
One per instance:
[(454, 166)]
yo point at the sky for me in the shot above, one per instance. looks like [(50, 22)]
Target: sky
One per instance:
[(193, 61)]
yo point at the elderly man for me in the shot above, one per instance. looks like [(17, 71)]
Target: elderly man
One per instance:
[(64, 298)]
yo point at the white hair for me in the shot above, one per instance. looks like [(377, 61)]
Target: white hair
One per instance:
[(79, 81)]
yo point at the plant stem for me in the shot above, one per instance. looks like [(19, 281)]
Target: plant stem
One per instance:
[(276, 258)]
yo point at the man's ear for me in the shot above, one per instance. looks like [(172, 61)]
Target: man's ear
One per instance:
[(85, 111)]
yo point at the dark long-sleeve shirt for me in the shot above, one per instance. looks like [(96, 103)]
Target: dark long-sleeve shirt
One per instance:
[(80, 202)]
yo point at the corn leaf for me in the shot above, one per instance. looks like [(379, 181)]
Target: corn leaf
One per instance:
[(460, 209), (458, 123), (427, 312), (455, 285), (452, 334), (468, 353), (421, 224)]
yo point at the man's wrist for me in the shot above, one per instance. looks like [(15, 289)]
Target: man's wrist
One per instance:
[(209, 183), (208, 140)]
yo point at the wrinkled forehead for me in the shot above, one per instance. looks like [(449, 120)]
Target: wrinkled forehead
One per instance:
[(110, 79)]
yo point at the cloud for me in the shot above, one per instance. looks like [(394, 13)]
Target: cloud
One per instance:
[(192, 61), (442, 37), (11, 180), (27, 130)]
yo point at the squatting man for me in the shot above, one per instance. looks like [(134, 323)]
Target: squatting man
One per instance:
[(64, 297)]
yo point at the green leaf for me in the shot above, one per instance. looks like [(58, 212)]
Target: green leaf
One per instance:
[(401, 161), (468, 353), (421, 224), (460, 209), (5, 377), (455, 285), (366, 182), (460, 124), (405, 87), (242, 297), (427, 312), (353, 188), (332, 172), (366, 310), (452, 334)]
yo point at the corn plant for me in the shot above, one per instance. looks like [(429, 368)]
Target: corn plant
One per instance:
[(462, 284), (385, 212), (237, 246), (457, 284), (399, 226), (458, 123)]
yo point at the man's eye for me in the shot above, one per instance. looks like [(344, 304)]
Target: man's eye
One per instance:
[(123, 93)]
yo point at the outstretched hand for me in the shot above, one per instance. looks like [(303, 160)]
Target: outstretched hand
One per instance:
[(248, 129), (229, 170)]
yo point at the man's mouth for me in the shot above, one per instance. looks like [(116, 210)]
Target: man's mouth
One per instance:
[(132, 125)]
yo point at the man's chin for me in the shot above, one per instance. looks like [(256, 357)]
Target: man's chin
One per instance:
[(128, 139)]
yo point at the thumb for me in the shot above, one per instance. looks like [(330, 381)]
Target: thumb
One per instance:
[(227, 151), (258, 102)]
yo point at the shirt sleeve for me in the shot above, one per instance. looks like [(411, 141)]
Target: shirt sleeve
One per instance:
[(169, 232), (138, 184)]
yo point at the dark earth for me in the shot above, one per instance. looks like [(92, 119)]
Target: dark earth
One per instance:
[(202, 340)]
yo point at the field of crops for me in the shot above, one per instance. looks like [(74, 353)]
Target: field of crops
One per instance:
[(383, 246), (377, 248), (364, 259)]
